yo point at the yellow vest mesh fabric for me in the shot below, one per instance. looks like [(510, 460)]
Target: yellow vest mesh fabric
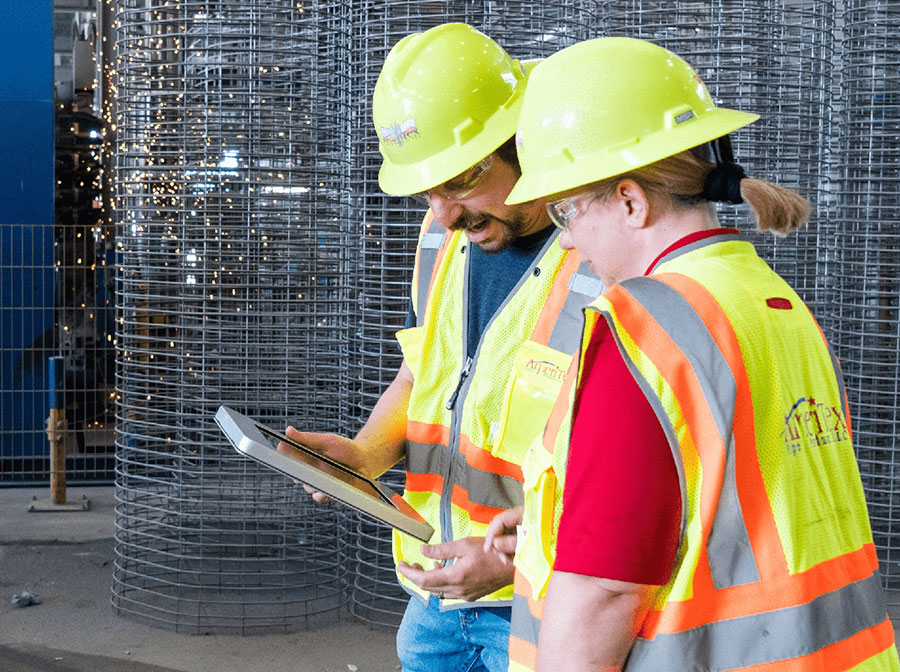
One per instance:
[(797, 434)]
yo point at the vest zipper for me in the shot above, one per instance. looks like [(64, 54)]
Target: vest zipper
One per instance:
[(447, 492), (467, 367)]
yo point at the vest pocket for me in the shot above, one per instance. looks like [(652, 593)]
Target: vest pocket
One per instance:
[(535, 551), (531, 391)]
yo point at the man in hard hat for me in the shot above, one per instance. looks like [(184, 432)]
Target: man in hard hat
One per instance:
[(495, 302), (695, 503)]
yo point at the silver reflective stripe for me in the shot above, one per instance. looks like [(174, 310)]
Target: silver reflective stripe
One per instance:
[(482, 487), (429, 248), (523, 625), (839, 374), (776, 635), (432, 241), (731, 558), (586, 283), (425, 458), (567, 330)]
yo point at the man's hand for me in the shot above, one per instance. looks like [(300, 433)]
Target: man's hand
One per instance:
[(473, 574), (502, 535), (340, 448)]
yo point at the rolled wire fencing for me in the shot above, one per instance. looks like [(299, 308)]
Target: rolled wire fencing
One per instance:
[(865, 246), (774, 58), (387, 229), (231, 189)]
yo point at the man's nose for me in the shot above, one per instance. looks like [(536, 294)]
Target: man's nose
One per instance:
[(445, 210), (565, 241)]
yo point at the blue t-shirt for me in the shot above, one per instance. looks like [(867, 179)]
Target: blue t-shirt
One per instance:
[(491, 279)]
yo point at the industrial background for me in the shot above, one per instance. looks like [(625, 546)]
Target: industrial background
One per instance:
[(193, 219)]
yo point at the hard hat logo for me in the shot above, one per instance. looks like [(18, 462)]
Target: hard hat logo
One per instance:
[(399, 132)]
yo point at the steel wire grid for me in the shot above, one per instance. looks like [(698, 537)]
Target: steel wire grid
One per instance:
[(866, 247), (772, 57), (231, 192), (388, 228)]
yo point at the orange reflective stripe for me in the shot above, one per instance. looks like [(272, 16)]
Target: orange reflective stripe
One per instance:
[(760, 520), (839, 656), (479, 458), (424, 483), (754, 598), (479, 513), (422, 432), (555, 300), (561, 406), (522, 652), (522, 588)]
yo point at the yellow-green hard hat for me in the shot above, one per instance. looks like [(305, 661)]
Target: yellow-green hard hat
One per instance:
[(606, 106), (444, 100)]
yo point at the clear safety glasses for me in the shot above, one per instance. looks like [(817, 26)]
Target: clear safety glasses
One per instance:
[(564, 211), (460, 186)]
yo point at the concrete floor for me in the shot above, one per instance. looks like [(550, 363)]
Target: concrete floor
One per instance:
[(67, 559)]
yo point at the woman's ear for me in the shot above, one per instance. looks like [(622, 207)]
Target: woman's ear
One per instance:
[(634, 204)]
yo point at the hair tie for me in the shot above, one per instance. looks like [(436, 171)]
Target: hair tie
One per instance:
[(723, 183)]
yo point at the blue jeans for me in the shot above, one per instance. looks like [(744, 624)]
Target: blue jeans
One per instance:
[(460, 640)]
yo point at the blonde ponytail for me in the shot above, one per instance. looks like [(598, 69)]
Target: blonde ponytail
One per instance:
[(777, 209), (682, 179)]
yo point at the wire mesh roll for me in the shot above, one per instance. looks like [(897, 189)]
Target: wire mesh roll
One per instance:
[(231, 187), (866, 249), (388, 227), (772, 57)]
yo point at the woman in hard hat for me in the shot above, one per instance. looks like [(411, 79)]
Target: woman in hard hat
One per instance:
[(701, 508)]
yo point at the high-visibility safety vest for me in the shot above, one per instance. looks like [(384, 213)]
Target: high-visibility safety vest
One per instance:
[(470, 420), (775, 569)]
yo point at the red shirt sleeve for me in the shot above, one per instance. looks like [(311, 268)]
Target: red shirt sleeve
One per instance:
[(622, 499)]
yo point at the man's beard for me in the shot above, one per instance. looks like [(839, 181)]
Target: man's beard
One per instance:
[(512, 230)]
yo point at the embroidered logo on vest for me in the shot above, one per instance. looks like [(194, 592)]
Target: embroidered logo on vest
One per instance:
[(811, 424), (545, 369)]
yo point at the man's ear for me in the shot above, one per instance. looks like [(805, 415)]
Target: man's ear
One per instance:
[(634, 204)]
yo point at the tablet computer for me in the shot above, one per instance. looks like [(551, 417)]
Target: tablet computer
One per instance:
[(326, 475)]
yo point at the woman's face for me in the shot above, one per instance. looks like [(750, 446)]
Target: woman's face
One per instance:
[(596, 231)]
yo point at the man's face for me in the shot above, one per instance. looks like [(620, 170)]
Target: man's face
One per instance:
[(482, 214)]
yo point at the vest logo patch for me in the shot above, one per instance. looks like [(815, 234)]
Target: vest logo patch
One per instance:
[(545, 369), (400, 132), (810, 424)]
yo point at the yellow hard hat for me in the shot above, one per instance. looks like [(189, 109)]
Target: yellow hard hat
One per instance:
[(606, 106), (444, 100)]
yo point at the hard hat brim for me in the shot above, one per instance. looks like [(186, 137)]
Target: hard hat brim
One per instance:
[(568, 172)]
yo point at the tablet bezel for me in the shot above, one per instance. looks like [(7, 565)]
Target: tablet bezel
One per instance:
[(253, 440)]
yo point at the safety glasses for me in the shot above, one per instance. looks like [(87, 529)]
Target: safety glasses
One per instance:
[(564, 211), (460, 186)]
